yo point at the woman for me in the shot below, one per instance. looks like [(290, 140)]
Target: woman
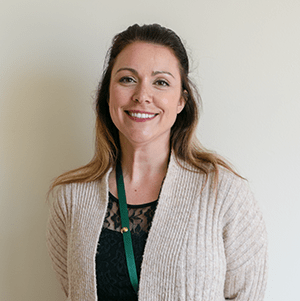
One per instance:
[(195, 231)]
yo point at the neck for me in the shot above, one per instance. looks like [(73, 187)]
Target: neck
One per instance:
[(144, 161)]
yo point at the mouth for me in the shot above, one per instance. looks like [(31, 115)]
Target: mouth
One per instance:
[(140, 115)]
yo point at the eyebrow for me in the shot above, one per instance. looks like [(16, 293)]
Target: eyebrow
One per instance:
[(153, 73), (160, 72), (128, 69)]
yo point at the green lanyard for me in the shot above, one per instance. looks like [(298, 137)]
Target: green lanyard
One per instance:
[(125, 228)]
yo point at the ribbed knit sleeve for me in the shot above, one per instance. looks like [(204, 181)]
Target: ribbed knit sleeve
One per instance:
[(245, 242), (57, 237)]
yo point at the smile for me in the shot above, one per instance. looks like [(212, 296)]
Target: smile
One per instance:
[(141, 115), (137, 116)]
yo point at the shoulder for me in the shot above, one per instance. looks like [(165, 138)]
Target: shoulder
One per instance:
[(80, 187), (230, 183), (228, 191), (239, 204), (71, 190), (67, 195), (233, 190), (227, 181)]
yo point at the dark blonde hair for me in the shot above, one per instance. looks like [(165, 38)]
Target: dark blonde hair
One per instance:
[(183, 140)]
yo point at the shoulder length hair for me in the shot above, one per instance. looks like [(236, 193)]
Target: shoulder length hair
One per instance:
[(183, 140)]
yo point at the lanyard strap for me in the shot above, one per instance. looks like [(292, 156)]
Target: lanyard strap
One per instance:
[(125, 228)]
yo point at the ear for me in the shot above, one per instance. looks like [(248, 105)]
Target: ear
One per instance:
[(182, 101)]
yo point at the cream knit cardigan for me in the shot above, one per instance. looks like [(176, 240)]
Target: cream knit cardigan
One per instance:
[(201, 246)]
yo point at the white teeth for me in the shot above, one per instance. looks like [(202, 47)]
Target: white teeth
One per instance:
[(141, 115)]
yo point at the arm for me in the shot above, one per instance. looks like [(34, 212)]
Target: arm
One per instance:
[(245, 242), (57, 238)]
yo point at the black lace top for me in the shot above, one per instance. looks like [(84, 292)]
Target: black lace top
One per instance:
[(113, 282)]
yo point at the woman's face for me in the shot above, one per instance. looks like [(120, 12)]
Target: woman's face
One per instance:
[(145, 93)]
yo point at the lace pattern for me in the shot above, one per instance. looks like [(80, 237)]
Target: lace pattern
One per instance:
[(113, 282)]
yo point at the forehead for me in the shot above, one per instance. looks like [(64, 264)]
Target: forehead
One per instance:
[(147, 56)]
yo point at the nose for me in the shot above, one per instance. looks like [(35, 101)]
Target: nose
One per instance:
[(142, 93)]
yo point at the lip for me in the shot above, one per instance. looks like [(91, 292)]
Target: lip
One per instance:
[(138, 111), (140, 119)]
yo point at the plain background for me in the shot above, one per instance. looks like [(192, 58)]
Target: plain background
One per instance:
[(246, 64)]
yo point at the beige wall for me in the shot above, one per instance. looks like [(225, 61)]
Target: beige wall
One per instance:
[(246, 64)]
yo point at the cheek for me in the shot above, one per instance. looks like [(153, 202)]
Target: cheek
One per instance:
[(170, 100), (165, 101), (118, 97), (170, 103), (113, 105)]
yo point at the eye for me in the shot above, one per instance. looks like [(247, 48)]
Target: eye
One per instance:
[(161, 82), (126, 79)]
